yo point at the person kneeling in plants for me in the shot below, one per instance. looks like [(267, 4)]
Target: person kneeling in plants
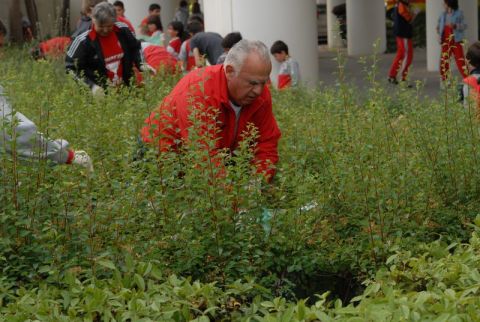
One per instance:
[(471, 86), (226, 99), (106, 53), (30, 144)]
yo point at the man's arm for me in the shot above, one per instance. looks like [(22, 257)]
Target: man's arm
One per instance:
[(266, 153), (19, 133), (76, 60)]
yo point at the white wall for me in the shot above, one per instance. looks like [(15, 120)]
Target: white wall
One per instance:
[(293, 21), (136, 10), (365, 26)]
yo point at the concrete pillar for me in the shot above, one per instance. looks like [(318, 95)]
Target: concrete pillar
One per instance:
[(433, 10), (334, 37), (218, 16), (136, 10), (470, 11), (292, 21), (365, 26)]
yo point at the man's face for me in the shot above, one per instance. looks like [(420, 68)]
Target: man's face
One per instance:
[(248, 84), (103, 29), (120, 11)]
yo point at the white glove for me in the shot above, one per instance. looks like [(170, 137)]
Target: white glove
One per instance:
[(97, 91), (148, 68), (81, 158)]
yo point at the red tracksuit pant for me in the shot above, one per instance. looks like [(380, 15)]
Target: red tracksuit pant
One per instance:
[(449, 47), (404, 56)]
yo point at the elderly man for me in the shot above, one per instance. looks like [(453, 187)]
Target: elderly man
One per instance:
[(233, 95), (106, 53)]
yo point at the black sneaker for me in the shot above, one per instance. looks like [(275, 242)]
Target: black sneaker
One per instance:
[(392, 80)]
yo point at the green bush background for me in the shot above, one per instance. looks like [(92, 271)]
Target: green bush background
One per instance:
[(363, 176)]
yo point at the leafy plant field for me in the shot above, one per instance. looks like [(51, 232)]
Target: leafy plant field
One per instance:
[(371, 186)]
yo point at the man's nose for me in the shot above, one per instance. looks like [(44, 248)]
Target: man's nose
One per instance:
[(257, 89)]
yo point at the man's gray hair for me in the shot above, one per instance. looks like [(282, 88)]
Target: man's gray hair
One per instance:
[(104, 12), (238, 53)]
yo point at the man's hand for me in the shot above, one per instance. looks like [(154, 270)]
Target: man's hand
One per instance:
[(82, 159), (97, 91)]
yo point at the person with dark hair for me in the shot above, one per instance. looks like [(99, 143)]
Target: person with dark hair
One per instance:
[(289, 71), (3, 33), (196, 12), (155, 29), (181, 15), (106, 53), (85, 22), (471, 86), (177, 37), (31, 144), (153, 10), (51, 48), (403, 32), (120, 9), (227, 43), (451, 27), (226, 100), (205, 45)]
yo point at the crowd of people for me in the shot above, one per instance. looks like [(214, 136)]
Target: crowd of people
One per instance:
[(229, 73)]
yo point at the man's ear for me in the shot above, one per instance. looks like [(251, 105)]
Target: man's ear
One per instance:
[(229, 71)]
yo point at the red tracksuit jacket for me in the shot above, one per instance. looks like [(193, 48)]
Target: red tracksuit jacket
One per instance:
[(171, 120)]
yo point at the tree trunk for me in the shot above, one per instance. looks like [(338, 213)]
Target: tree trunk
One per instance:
[(65, 18), (16, 33), (32, 14)]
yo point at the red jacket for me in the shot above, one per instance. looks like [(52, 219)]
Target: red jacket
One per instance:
[(54, 47), (171, 120), (159, 58)]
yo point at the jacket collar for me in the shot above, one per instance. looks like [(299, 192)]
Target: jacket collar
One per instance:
[(93, 33)]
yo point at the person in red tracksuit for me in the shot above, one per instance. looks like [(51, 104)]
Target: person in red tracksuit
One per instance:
[(403, 31), (177, 37), (471, 87), (227, 99), (52, 48), (451, 27)]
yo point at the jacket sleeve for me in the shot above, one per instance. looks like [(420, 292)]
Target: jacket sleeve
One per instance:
[(161, 127), (134, 46), (266, 154), (460, 22), (404, 11), (76, 61), (20, 135)]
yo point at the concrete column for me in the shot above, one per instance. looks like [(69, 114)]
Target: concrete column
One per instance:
[(470, 11), (365, 26), (136, 10), (292, 21), (433, 10), (218, 16), (334, 37)]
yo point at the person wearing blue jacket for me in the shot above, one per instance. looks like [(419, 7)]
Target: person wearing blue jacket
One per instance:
[(451, 27)]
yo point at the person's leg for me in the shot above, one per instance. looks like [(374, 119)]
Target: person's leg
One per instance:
[(398, 58), (409, 58), (457, 49)]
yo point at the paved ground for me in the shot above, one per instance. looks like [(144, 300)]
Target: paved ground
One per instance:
[(355, 71)]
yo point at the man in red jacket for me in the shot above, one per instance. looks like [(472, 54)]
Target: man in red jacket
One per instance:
[(226, 99)]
